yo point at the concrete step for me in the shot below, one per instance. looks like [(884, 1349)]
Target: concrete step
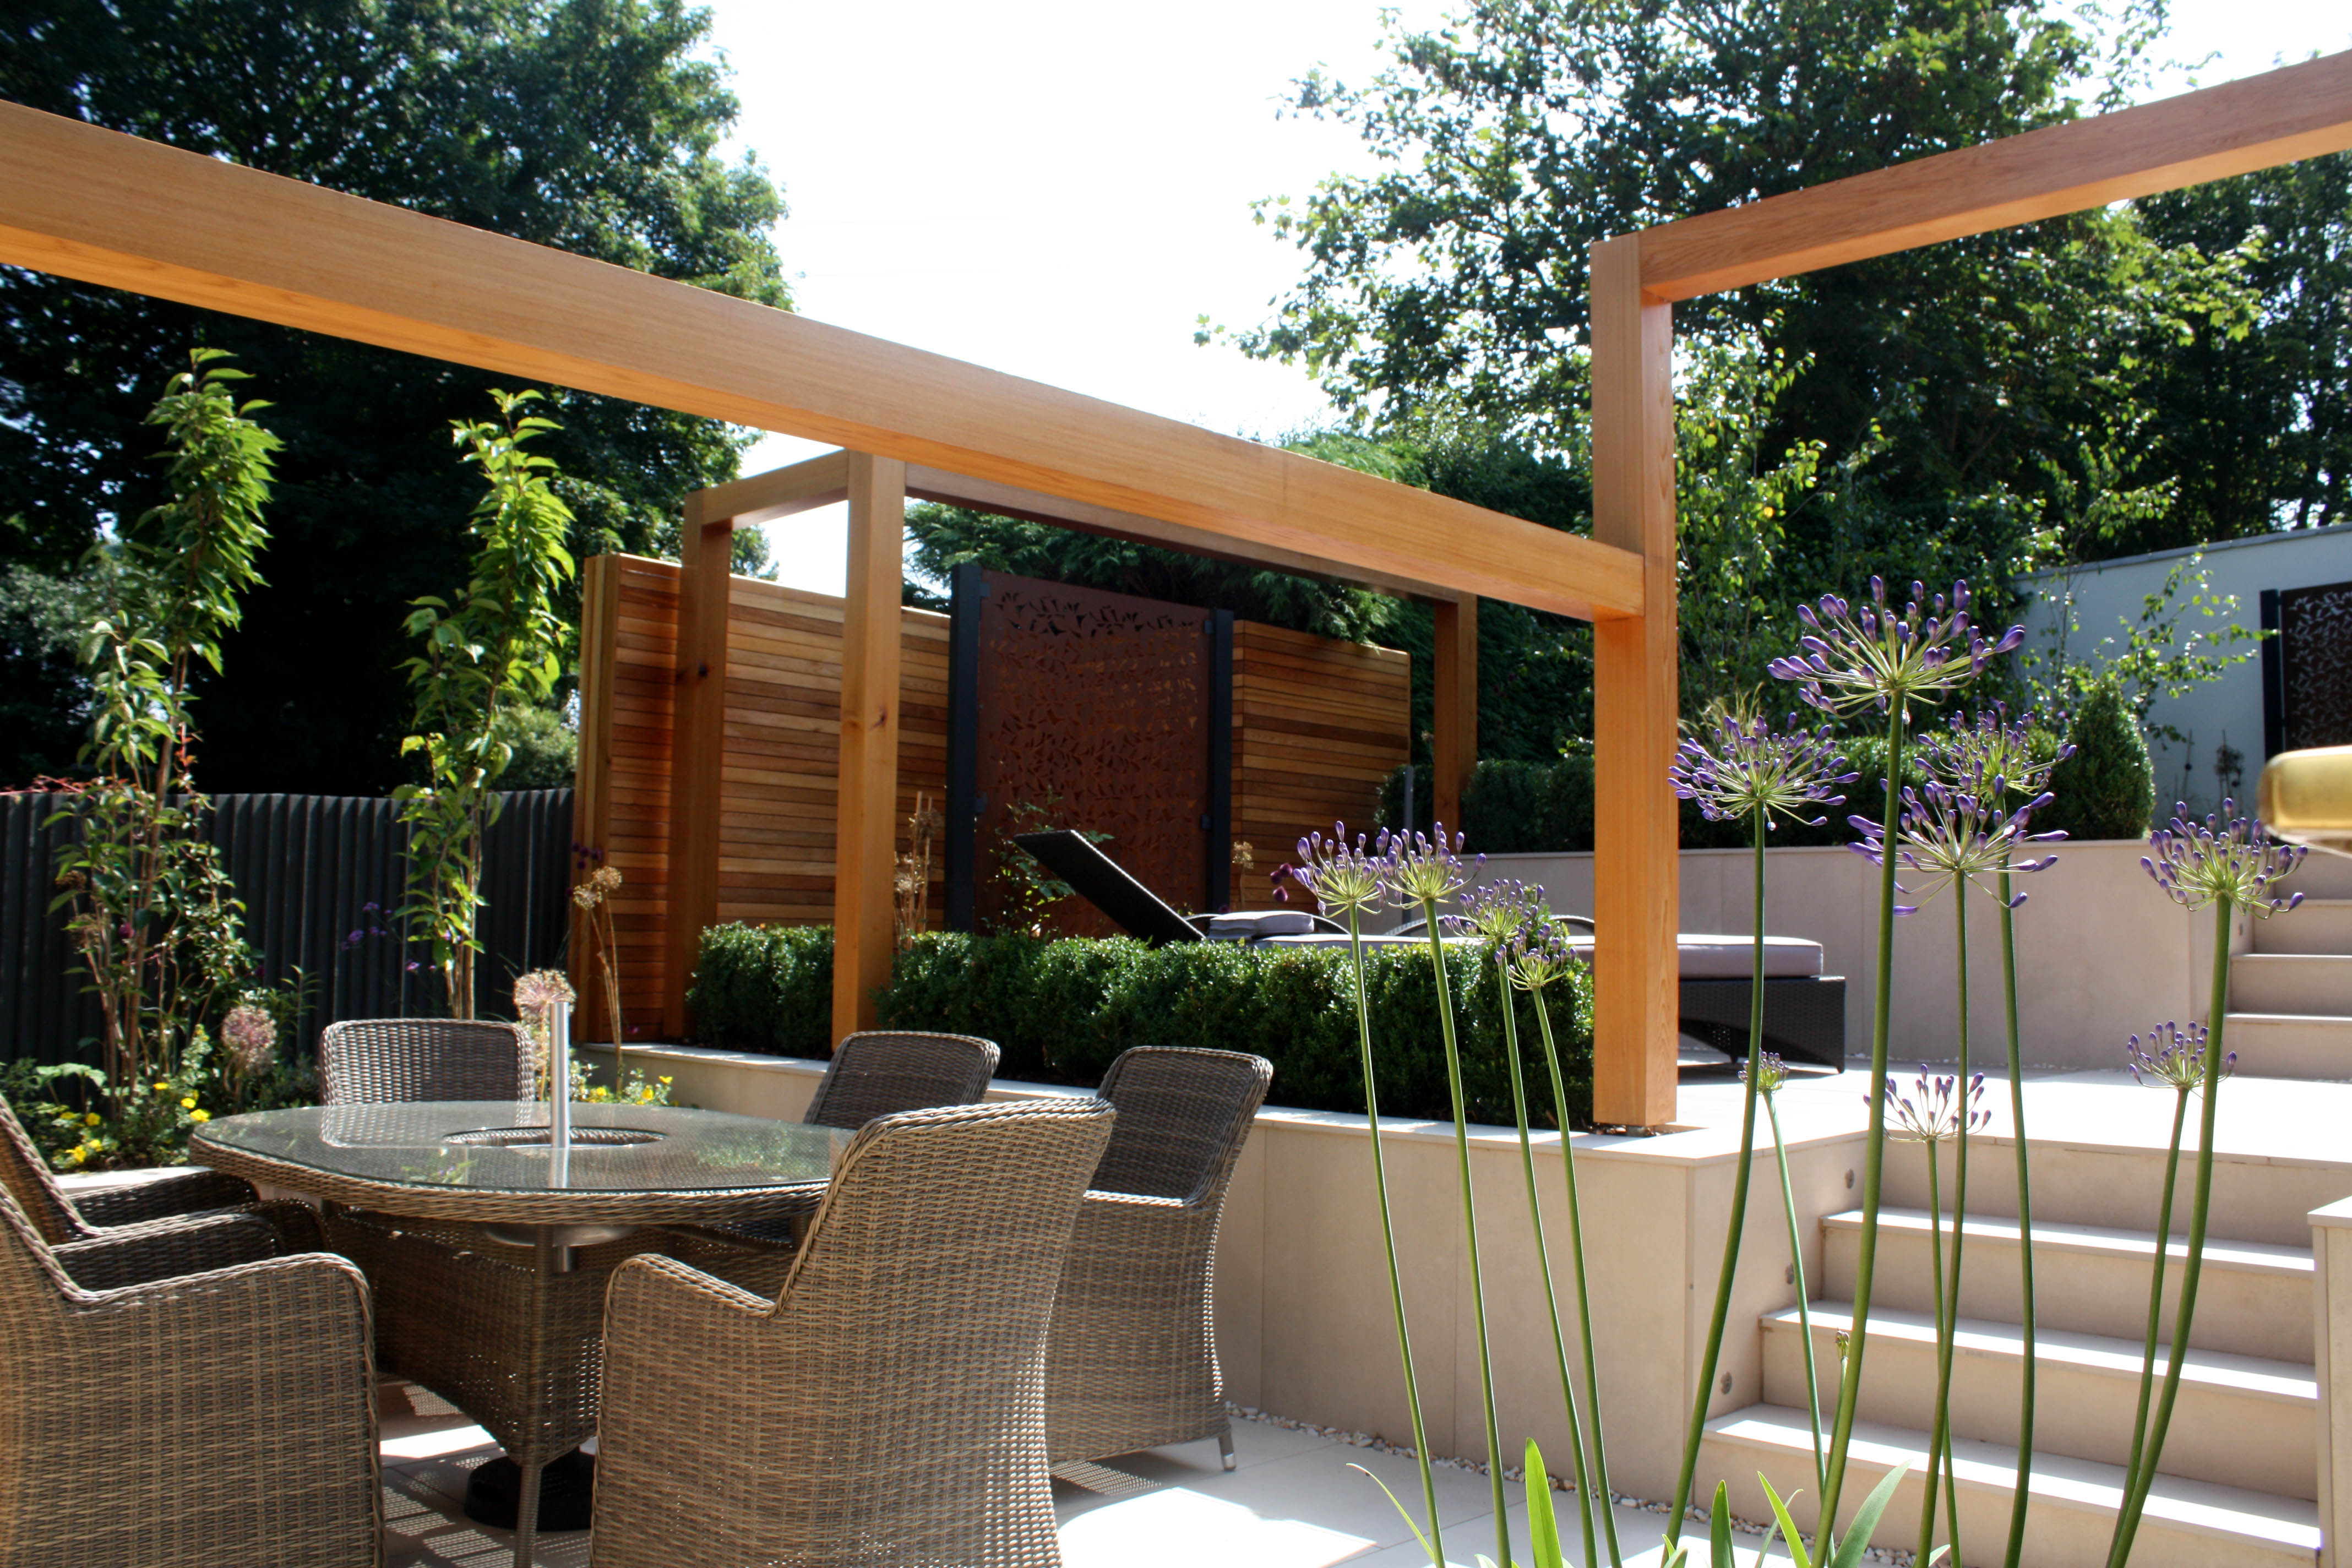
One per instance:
[(2316, 925), (2240, 1421), (2186, 1524), (2289, 1045), (2255, 1300), (2305, 983), (2322, 875)]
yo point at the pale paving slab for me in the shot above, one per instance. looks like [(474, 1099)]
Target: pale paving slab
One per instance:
[(1293, 1501)]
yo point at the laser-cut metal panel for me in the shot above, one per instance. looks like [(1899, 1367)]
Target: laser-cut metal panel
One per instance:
[(2315, 658), (1098, 704)]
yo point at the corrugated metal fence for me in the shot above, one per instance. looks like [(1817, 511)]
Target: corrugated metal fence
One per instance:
[(320, 876)]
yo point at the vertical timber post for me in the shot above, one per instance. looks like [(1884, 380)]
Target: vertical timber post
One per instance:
[(1454, 708), (697, 754), (1637, 864), (592, 787), (866, 819)]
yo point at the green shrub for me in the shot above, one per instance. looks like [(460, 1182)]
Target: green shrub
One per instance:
[(2107, 788), (765, 988), (1061, 1010)]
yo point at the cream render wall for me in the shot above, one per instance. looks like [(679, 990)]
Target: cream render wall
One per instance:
[(2101, 954)]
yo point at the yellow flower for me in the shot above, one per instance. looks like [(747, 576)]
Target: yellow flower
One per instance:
[(92, 1118), (80, 1152), (188, 1102), (200, 1116), (162, 1089), (665, 1078)]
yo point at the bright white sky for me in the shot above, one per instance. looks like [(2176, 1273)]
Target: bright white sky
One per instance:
[(1059, 189)]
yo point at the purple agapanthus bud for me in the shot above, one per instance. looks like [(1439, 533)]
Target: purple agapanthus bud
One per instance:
[(1745, 767), (2175, 1054), (1424, 870), (2225, 856), (1971, 755), (1772, 1072), (1499, 911), (1943, 835), (1852, 658), (1541, 956), (1339, 876), (1942, 1110)]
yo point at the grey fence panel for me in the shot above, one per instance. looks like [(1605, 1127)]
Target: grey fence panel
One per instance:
[(321, 877)]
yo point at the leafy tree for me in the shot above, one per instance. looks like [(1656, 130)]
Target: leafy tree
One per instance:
[(489, 655), (44, 689), (1450, 282), (584, 124)]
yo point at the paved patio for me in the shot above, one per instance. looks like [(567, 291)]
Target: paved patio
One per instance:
[(1292, 1503)]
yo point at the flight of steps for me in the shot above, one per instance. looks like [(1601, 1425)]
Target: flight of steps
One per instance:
[(2240, 1470), (2291, 997)]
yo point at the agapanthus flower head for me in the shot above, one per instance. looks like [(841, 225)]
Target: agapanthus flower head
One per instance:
[(1339, 875), (2224, 857), (1772, 1072), (1937, 1108), (1745, 766), (1499, 911), (250, 1035), (2174, 1054), (1542, 956), (1853, 656), (1425, 869), (1970, 753), (1942, 837)]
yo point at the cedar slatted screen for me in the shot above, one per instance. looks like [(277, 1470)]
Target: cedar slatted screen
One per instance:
[(1316, 725)]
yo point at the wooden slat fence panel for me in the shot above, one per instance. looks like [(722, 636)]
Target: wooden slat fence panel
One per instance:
[(320, 877)]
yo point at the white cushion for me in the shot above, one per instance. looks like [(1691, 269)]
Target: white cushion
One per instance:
[(1701, 957), (1262, 923)]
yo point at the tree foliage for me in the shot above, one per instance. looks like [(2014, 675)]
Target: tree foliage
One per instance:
[(1452, 281), (589, 125)]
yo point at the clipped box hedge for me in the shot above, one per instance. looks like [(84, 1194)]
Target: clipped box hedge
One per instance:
[(1061, 1010)]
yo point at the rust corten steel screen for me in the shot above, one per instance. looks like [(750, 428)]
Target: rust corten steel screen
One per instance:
[(2316, 652), (1094, 711)]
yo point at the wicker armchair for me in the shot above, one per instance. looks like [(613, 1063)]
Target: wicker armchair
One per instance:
[(887, 1406), (1132, 1361), (183, 1199), (873, 1073), (195, 1419), (401, 1061)]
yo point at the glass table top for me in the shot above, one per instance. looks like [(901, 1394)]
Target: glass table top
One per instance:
[(500, 1146)]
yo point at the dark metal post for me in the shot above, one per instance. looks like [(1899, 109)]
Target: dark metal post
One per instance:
[(966, 589), (2273, 678), (1219, 891)]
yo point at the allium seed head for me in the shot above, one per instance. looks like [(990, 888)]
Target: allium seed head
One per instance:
[(1936, 1108), (2174, 1054), (1772, 1072)]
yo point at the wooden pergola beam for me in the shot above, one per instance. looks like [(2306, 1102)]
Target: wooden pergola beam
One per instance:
[(85, 203), (2299, 112)]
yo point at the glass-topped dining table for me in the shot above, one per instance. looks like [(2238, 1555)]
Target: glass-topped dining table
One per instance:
[(488, 1248)]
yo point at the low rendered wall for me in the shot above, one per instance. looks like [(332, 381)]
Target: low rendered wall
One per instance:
[(2077, 998), (1304, 1325)]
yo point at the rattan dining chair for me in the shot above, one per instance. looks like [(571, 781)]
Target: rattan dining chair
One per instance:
[(887, 1407), (183, 1419), (1132, 1360), (401, 1061), (873, 1073), (181, 1202)]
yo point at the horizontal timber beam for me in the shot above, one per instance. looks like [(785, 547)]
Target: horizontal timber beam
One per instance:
[(822, 481), (93, 205), (2299, 112)]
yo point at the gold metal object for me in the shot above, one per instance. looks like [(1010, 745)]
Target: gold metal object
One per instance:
[(2305, 796)]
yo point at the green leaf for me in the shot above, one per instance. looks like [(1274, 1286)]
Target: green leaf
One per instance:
[(1719, 1526), (1543, 1524), (1796, 1542), (1427, 1550), (1865, 1519)]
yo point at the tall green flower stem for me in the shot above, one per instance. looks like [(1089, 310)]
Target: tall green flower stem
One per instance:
[(1469, 1229), (1948, 1287), (1387, 1233), (1797, 1277), (1601, 1491), (1874, 1156), (1724, 1275), (1543, 1252), (2021, 1498), (2156, 1288), (2201, 1208)]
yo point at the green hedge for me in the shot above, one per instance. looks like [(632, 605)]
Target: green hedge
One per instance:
[(1061, 1010)]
